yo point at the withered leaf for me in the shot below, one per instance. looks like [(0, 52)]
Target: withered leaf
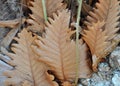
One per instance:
[(85, 8), (95, 37), (37, 17), (108, 11), (10, 23), (14, 24), (26, 83), (8, 38), (26, 65), (58, 51)]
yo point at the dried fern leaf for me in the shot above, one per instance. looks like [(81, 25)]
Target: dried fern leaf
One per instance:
[(95, 37), (108, 11), (37, 17), (10, 23), (90, 2), (8, 38), (67, 84), (26, 83), (26, 2), (26, 65), (58, 51), (85, 8), (14, 24)]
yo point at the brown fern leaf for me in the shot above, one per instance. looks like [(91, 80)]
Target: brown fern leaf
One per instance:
[(26, 83), (85, 8), (108, 11), (95, 37), (9, 23), (58, 51), (37, 16), (67, 84), (26, 65)]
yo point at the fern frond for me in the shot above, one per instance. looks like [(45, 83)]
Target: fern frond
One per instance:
[(95, 37), (37, 16), (26, 67), (58, 51), (108, 11), (11, 23)]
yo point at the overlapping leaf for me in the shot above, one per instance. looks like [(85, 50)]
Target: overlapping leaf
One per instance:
[(108, 11), (86, 8), (14, 24), (9, 23), (37, 17), (95, 37), (58, 51), (26, 65)]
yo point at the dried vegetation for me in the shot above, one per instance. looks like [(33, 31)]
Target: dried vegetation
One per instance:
[(44, 51)]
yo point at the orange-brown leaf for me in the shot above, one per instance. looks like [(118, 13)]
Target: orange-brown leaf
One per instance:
[(26, 65), (85, 8), (58, 51), (108, 11), (10, 23), (95, 37), (37, 17)]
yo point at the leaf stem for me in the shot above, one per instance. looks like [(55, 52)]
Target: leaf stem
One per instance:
[(44, 10), (77, 40)]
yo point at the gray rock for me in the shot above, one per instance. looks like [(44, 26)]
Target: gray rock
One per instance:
[(116, 79), (85, 82), (114, 59), (100, 79), (102, 83), (104, 67), (80, 85)]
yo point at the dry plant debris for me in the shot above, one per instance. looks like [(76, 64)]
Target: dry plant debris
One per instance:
[(37, 21), (56, 49), (33, 56), (96, 40), (107, 11), (9, 23), (26, 65)]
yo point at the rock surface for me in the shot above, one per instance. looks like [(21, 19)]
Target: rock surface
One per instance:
[(115, 59), (116, 79)]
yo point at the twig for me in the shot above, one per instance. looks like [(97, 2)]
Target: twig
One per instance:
[(77, 40)]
